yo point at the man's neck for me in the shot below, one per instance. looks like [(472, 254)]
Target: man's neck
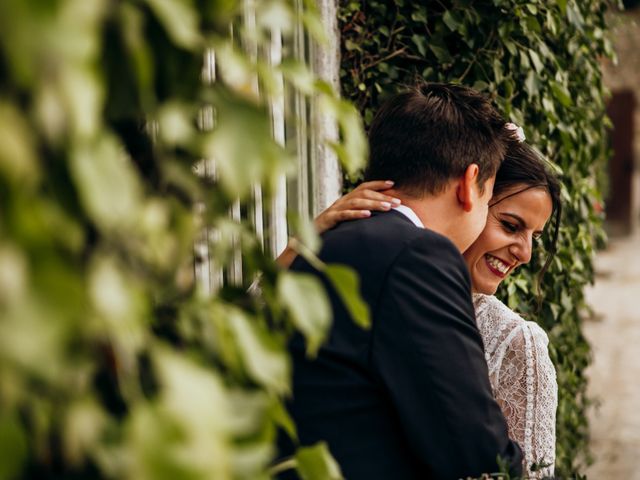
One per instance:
[(436, 212)]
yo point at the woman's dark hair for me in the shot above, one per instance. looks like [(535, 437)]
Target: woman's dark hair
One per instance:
[(425, 136), (525, 167)]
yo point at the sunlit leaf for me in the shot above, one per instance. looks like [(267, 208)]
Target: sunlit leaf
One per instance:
[(353, 149), (84, 425), (108, 184), (316, 463), (303, 295), (180, 19), (347, 284), (264, 360), (17, 156)]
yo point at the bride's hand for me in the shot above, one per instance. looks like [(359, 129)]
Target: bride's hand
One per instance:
[(357, 204)]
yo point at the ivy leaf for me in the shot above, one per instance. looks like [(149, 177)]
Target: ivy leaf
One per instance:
[(347, 284), (441, 52), (281, 417), (265, 361), (305, 299), (532, 84), (180, 19), (13, 444), (561, 93), (353, 149), (450, 20), (420, 42), (316, 463), (537, 63)]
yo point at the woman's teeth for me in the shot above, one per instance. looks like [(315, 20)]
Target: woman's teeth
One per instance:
[(497, 264)]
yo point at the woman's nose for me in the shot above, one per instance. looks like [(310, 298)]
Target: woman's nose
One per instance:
[(521, 249)]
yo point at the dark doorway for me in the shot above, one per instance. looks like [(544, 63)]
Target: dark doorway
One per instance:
[(621, 111)]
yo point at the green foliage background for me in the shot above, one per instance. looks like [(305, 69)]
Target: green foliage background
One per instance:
[(114, 361), (538, 60)]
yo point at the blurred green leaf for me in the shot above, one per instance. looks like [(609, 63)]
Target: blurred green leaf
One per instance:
[(264, 360), (180, 19), (17, 155), (316, 463), (304, 297), (347, 284), (107, 183), (13, 446)]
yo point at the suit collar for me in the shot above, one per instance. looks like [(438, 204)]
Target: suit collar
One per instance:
[(396, 214), (410, 214)]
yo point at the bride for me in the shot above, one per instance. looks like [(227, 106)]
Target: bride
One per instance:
[(525, 196)]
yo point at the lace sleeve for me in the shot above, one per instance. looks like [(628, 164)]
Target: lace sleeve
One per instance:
[(526, 389)]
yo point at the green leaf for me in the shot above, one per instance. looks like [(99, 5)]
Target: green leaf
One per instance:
[(441, 52), (353, 150), (347, 284), (420, 42), (537, 63), (561, 93), (451, 21), (13, 446), (18, 159), (305, 298), (532, 84), (316, 463), (109, 186), (281, 417), (264, 360), (180, 20)]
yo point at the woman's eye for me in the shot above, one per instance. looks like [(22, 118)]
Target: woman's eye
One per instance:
[(510, 227)]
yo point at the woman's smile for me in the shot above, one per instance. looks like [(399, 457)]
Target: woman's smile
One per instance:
[(496, 265)]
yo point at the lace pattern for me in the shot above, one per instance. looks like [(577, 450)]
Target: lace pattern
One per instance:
[(523, 380)]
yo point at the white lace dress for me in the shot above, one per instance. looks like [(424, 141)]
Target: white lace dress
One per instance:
[(523, 380)]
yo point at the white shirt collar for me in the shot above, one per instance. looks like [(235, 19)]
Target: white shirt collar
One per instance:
[(410, 214)]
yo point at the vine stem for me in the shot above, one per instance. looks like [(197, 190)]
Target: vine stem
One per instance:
[(287, 464), (384, 59)]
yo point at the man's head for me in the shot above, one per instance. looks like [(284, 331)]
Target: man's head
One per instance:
[(440, 139)]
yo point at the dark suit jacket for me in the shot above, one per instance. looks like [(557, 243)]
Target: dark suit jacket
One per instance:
[(410, 398)]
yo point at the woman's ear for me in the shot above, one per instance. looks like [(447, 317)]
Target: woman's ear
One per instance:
[(468, 189)]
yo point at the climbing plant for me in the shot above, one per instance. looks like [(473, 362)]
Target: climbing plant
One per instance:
[(539, 62), (114, 361)]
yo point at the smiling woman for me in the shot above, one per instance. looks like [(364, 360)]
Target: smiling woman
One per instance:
[(516, 217), (525, 196)]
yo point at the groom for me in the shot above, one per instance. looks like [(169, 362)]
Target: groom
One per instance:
[(410, 398)]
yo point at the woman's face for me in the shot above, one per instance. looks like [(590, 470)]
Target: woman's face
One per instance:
[(506, 241)]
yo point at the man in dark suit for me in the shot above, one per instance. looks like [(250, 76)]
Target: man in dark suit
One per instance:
[(410, 397)]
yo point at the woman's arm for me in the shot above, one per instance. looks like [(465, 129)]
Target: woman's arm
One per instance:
[(527, 392), (356, 204)]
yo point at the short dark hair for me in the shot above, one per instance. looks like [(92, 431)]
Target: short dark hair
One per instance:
[(524, 166), (423, 137)]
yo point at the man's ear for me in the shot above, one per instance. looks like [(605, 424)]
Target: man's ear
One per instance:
[(468, 188)]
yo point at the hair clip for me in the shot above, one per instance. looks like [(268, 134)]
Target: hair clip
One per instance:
[(517, 132)]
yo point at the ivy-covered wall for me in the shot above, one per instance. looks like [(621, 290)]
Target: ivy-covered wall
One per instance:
[(538, 60)]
